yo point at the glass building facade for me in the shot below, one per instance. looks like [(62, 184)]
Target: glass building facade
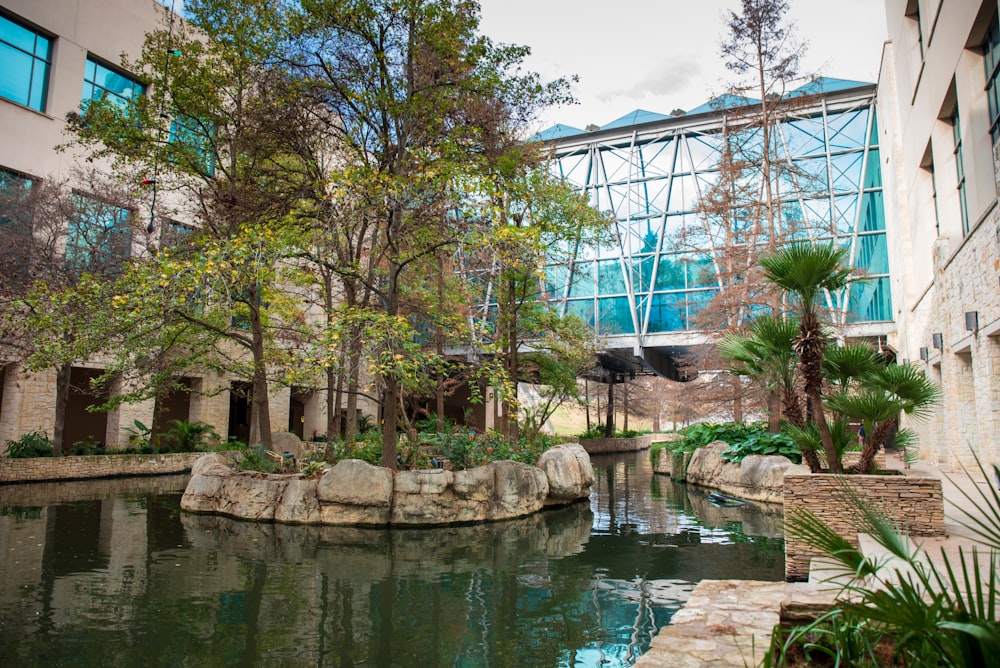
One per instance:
[(655, 173)]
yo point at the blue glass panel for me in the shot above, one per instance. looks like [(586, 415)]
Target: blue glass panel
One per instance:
[(13, 189), (642, 273), (701, 271), (847, 129), (873, 173), (846, 169), (555, 280), (610, 280), (873, 137), (803, 137), (671, 274), (197, 136), (811, 174), (582, 309), (870, 301), (105, 81), (666, 312), (98, 234), (847, 208), (15, 74), (615, 316), (39, 81), (17, 35), (872, 212), (582, 282), (871, 254)]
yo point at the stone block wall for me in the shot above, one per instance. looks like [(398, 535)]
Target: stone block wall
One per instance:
[(604, 446), (915, 503), (97, 466)]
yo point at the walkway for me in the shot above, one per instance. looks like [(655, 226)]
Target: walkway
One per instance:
[(729, 622)]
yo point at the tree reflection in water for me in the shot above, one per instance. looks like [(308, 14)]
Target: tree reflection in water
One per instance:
[(113, 573)]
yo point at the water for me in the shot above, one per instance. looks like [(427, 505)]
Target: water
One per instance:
[(111, 573)]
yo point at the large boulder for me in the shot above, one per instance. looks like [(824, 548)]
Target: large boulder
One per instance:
[(758, 477), (569, 473), (355, 492), (519, 489), (286, 441)]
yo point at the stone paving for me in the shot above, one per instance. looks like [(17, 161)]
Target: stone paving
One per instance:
[(729, 622)]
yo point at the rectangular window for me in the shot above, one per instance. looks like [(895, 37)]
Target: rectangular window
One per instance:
[(991, 60), (99, 236), (100, 81), (960, 171), (25, 58), (196, 138), (14, 189)]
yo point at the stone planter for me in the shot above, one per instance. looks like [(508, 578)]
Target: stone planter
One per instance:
[(605, 446), (914, 503), (354, 493), (48, 469)]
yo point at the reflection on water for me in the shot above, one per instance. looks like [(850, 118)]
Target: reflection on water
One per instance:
[(112, 573)]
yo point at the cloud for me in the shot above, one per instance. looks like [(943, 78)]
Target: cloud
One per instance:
[(670, 78)]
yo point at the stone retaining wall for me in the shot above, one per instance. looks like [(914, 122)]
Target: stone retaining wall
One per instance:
[(42, 469), (915, 503), (605, 446), (354, 493)]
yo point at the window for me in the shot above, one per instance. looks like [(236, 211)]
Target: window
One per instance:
[(14, 188), (99, 81), (195, 138), (960, 171), (25, 57), (991, 59), (175, 234), (99, 236)]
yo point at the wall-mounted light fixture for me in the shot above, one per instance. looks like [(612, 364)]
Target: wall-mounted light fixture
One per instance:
[(906, 362), (937, 340), (972, 321), (925, 354)]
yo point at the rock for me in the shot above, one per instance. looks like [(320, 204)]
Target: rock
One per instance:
[(250, 496), (569, 472), (519, 489), (357, 483), (356, 493), (758, 477), (299, 504), (286, 441)]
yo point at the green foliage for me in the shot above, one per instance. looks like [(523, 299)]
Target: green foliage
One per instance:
[(313, 469), (256, 459), (762, 442), (32, 444), (929, 612), (184, 436), (88, 446), (597, 431), (139, 436)]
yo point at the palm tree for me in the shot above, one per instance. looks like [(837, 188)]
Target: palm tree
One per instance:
[(765, 353), (806, 272), (884, 393)]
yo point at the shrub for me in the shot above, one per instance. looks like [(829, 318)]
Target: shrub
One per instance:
[(597, 431), (763, 443), (32, 444), (184, 436), (88, 446)]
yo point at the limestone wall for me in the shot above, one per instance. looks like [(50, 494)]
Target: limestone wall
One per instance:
[(42, 469), (355, 493), (604, 446), (914, 503), (757, 478)]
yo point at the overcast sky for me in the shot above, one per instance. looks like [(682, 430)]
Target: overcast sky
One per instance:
[(660, 55)]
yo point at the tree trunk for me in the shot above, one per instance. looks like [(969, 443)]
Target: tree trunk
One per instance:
[(625, 404), (773, 411), (63, 376), (439, 346), (586, 404), (609, 423), (832, 460), (873, 441), (261, 408)]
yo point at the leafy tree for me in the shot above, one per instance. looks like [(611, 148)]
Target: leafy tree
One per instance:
[(418, 101), (59, 251), (216, 141)]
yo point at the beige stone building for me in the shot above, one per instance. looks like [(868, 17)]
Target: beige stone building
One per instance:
[(54, 55), (939, 109)]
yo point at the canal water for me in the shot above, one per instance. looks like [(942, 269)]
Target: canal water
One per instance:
[(112, 573)]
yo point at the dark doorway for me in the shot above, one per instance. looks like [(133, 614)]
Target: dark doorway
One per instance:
[(297, 411), (239, 411), (174, 405), (82, 424)]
